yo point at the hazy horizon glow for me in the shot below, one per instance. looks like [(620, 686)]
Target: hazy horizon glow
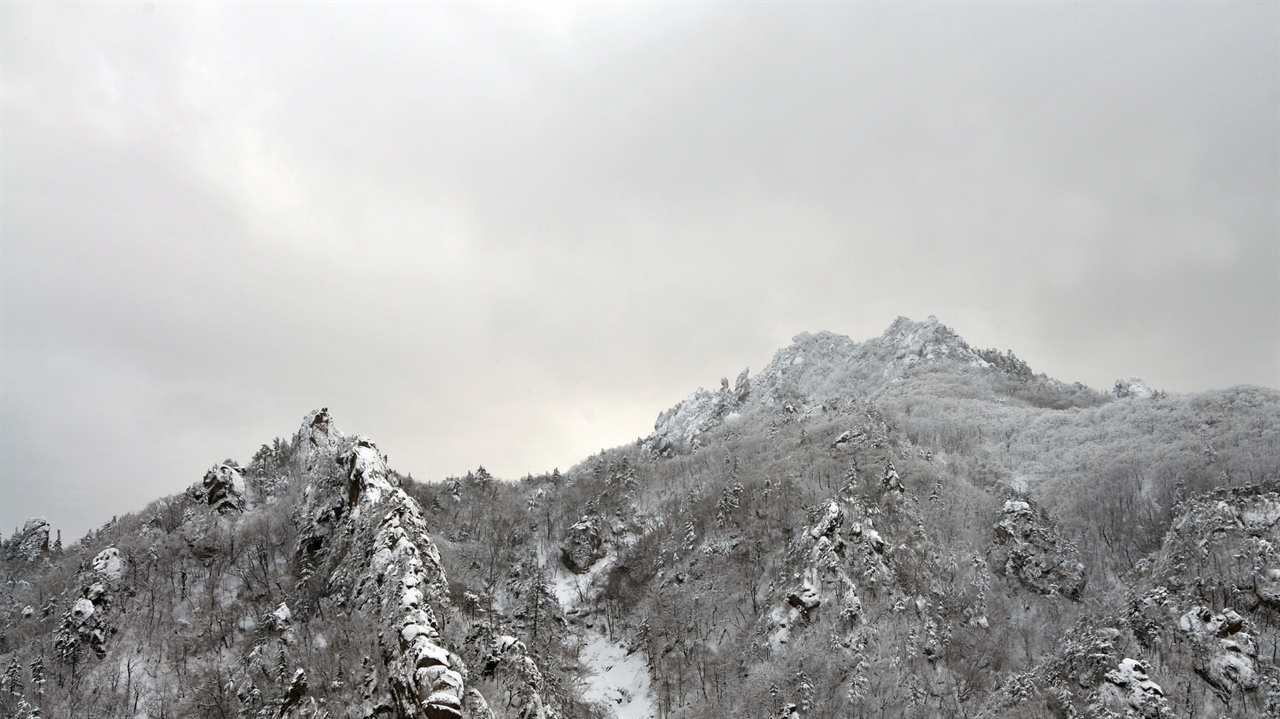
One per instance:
[(511, 236)]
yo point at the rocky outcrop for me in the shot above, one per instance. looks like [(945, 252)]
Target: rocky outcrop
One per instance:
[(87, 623), (583, 545), (1226, 654), (1029, 549), (890, 480), (222, 489), (370, 541), (31, 542), (293, 697), (1129, 691), (476, 706), (397, 577), (679, 428), (742, 387), (1089, 677), (1266, 585), (108, 564), (825, 582), (927, 341), (1133, 387), (1218, 551), (316, 442), (818, 370), (508, 662)]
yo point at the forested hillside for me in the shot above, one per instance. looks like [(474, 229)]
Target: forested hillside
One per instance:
[(901, 527)]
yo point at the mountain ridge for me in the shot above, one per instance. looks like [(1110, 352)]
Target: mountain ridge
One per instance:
[(902, 526), (825, 366)]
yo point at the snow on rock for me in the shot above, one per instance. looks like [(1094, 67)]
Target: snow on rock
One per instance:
[(222, 488), (96, 591), (583, 545), (83, 623), (386, 561), (297, 690), (809, 596), (927, 341), (109, 564), (845, 436), (317, 440), (1267, 586), (476, 706), (423, 675), (822, 577), (508, 662), (32, 542), (679, 427), (1014, 507), (82, 610), (1129, 685), (890, 479), (1135, 388), (830, 521), (813, 368), (1028, 548), (865, 531), (367, 474), (1260, 515), (1228, 652), (817, 368)]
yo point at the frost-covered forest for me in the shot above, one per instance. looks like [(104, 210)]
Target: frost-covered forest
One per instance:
[(901, 527)]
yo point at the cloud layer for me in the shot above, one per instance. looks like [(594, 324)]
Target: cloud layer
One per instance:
[(507, 236)]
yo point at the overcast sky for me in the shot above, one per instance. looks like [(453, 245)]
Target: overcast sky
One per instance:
[(511, 236)]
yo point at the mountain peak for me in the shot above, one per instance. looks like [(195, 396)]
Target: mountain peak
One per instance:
[(902, 323), (820, 367), (927, 340)]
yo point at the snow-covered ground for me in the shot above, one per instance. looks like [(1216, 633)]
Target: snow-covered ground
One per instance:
[(616, 679)]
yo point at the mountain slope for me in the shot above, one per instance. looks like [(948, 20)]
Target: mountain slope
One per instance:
[(905, 526), (304, 585)]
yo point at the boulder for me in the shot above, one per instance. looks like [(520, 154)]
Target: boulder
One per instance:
[(1130, 689), (222, 488), (1226, 655), (108, 564), (583, 545), (1267, 586)]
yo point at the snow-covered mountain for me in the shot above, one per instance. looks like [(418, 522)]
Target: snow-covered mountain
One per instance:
[(824, 369), (904, 526)]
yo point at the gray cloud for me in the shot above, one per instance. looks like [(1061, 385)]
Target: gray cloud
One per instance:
[(510, 236)]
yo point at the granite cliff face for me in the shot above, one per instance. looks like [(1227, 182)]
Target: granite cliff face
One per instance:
[(306, 584), (369, 541)]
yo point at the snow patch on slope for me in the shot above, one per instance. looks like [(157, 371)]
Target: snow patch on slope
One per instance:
[(616, 679)]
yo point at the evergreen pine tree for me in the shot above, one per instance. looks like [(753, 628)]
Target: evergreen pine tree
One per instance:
[(11, 681), (38, 680)]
